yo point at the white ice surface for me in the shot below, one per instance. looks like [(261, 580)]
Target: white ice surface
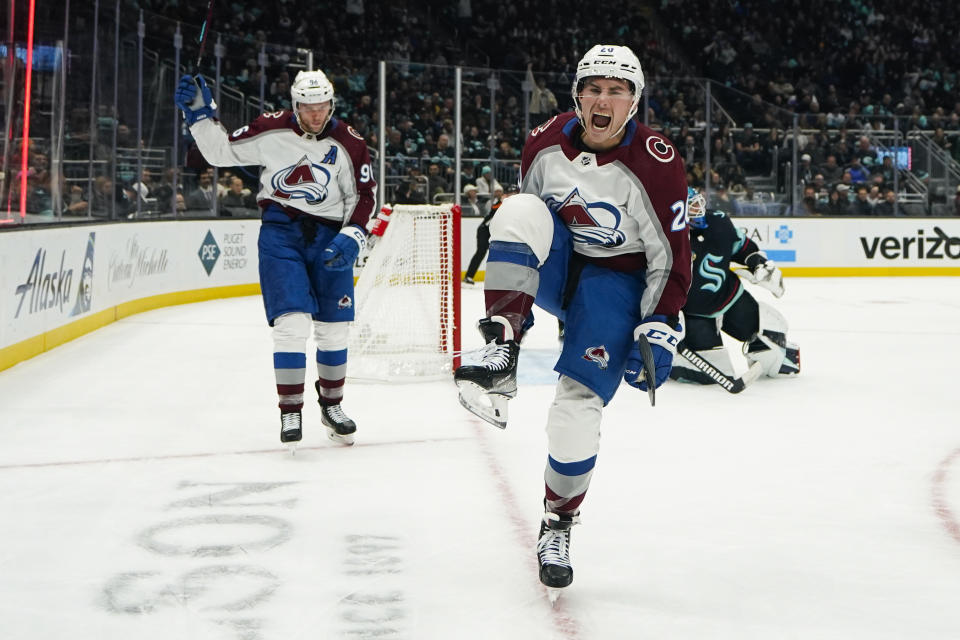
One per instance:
[(144, 493)]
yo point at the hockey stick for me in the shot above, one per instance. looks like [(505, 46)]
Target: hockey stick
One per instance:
[(649, 368), (735, 385), (204, 29)]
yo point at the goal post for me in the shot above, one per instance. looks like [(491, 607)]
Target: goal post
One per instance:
[(407, 299)]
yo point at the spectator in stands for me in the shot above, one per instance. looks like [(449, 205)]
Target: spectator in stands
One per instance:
[(689, 150), (202, 197), (146, 185), (407, 193), (106, 195), (470, 202), (889, 205), (810, 205), (749, 153), (858, 173), (542, 102), (805, 171), (832, 172), (238, 200), (839, 204), (865, 150), (861, 206), (436, 181), (886, 170), (874, 197), (486, 183)]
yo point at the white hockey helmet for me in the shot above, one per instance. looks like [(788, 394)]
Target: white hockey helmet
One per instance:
[(609, 61), (311, 87)]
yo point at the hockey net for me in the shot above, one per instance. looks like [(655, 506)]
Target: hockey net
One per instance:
[(408, 299)]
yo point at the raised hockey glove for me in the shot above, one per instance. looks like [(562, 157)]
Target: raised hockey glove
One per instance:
[(763, 273), (343, 250), (194, 99), (663, 341)]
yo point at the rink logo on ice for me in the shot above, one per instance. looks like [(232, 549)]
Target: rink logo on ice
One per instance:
[(923, 246), (597, 355), (303, 181), (209, 252)]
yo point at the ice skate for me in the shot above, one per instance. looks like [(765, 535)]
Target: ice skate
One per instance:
[(340, 428), (553, 553), (291, 430), (486, 387)]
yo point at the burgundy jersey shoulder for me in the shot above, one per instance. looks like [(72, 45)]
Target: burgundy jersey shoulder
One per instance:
[(266, 122), (552, 132), (347, 136), (652, 152)]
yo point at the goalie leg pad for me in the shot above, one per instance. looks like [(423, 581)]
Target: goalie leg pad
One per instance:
[(770, 347)]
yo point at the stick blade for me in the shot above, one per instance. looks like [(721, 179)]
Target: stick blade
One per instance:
[(649, 369)]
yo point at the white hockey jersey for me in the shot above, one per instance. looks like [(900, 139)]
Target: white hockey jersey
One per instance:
[(328, 175), (625, 208)]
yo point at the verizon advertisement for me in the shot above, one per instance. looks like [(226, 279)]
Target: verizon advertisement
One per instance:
[(860, 242), (52, 277)]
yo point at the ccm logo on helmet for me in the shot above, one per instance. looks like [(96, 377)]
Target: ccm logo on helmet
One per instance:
[(659, 149)]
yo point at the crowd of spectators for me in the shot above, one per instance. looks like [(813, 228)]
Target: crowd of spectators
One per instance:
[(843, 66)]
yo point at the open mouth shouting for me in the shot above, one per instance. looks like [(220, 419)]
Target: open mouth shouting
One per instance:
[(601, 121)]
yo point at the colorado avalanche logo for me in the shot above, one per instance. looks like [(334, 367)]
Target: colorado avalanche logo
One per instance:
[(660, 149), (345, 303), (303, 181), (589, 222), (597, 355)]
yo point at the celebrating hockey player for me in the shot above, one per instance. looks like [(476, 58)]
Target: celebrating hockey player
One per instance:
[(718, 301), (597, 237), (317, 194)]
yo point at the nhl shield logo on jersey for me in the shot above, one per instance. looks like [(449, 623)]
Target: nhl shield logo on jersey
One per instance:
[(589, 222), (303, 181), (345, 302), (598, 355)]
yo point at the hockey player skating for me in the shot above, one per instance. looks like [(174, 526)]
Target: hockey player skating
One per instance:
[(317, 194), (597, 237), (718, 301)]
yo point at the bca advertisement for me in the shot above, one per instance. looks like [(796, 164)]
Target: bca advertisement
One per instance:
[(51, 277), (856, 242)]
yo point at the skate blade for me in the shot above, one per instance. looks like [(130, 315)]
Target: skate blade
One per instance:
[(292, 447), (553, 594), (491, 407), (344, 439)]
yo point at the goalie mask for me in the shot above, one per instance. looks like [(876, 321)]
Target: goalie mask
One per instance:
[(696, 209), (609, 61), (311, 87)]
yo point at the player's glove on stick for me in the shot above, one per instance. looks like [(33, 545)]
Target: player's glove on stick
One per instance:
[(663, 341), (343, 250), (194, 99), (764, 273)]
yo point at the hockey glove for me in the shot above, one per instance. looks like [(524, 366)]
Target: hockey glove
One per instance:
[(764, 273), (343, 250), (194, 99), (663, 341)]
